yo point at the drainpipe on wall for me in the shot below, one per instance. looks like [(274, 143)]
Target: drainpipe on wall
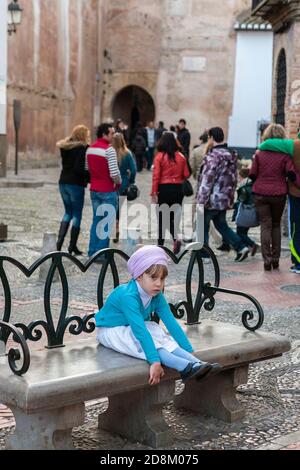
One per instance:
[(3, 85)]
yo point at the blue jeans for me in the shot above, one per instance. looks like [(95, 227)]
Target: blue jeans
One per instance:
[(150, 157), (73, 199), (243, 234), (104, 217), (219, 219)]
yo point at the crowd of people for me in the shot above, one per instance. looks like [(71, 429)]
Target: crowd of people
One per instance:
[(110, 164), (257, 192)]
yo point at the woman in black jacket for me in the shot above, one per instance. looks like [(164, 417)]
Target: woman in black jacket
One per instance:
[(73, 180)]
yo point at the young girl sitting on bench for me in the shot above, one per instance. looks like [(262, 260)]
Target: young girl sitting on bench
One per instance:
[(124, 322)]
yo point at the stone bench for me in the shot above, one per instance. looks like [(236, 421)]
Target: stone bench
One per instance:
[(49, 400), (47, 393)]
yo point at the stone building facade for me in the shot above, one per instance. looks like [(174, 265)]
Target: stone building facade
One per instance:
[(83, 61), (181, 55), (52, 70), (285, 19)]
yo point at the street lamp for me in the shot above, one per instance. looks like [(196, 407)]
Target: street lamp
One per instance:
[(14, 16)]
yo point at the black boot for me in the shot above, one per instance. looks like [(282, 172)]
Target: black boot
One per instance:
[(73, 241), (224, 247), (61, 234)]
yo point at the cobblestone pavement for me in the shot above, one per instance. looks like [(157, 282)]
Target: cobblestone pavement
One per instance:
[(271, 396)]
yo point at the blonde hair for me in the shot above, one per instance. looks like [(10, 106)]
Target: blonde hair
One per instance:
[(80, 136), (244, 172), (120, 146), (80, 133), (274, 131)]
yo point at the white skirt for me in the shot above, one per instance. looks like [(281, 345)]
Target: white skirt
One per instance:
[(122, 340)]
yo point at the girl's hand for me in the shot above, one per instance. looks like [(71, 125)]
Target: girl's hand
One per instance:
[(154, 199), (156, 373)]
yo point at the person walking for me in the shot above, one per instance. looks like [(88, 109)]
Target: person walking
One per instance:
[(184, 137), (170, 171), (105, 183), (138, 147), (150, 137), (198, 154), (122, 128), (127, 169), (72, 182), (245, 196), (269, 172), (217, 183), (159, 131), (291, 147)]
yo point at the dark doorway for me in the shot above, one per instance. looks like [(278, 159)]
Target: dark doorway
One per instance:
[(281, 88), (133, 104)]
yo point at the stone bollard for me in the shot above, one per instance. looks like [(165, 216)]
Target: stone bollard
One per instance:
[(49, 245), (3, 232)]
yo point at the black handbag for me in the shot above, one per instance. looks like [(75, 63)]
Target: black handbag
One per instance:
[(132, 192), (187, 188)]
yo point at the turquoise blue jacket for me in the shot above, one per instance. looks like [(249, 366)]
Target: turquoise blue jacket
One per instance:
[(124, 307)]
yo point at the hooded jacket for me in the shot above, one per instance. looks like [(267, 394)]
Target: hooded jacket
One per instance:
[(218, 179), (73, 162), (290, 146)]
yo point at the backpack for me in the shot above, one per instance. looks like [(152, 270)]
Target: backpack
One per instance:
[(244, 193)]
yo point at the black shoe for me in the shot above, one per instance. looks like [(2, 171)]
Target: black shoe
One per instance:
[(63, 229), (254, 250), (275, 264), (215, 369), (224, 247), (73, 242), (243, 254), (116, 240), (193, 371), (75, 251)]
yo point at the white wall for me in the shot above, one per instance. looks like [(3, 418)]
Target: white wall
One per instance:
[(3, 64), (252, 88)]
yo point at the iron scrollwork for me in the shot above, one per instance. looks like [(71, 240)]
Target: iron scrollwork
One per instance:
[(205, 294), (75, 325), (14, 354)]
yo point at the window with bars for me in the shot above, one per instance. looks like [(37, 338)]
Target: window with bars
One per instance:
[(281, 88)]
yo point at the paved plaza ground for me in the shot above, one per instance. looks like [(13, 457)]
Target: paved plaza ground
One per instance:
[(271, 397)]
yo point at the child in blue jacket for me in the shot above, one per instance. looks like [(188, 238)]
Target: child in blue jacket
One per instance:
[(124, 322)]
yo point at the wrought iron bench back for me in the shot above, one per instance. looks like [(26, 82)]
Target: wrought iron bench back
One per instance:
[(76, 325)]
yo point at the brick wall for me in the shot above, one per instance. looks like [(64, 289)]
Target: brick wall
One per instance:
[(52, 70)]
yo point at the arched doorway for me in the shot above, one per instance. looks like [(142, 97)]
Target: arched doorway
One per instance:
[(133, 104), (281, 88)]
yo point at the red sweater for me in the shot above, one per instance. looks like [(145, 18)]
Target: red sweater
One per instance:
[(103, 166), (270, 170), (167, 171)]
